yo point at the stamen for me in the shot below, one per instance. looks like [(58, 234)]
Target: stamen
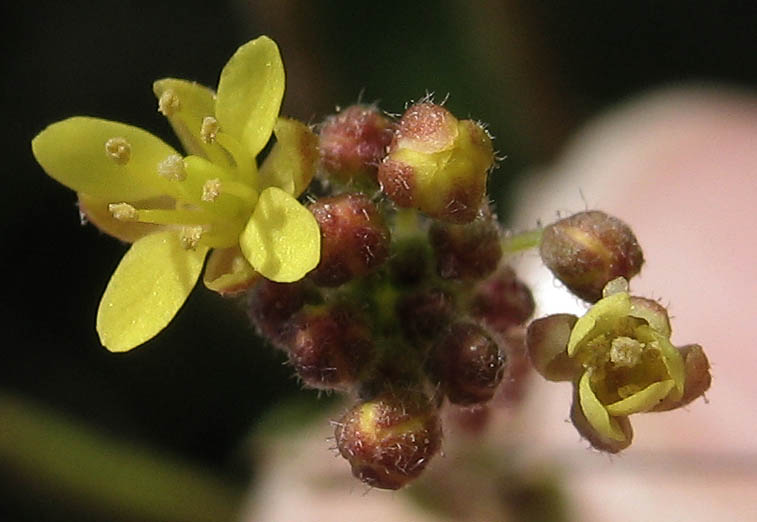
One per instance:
[(211, 190), (626, 352), (119, 150), (240, 190), (168, 103), (209, 129), (172, 168), (123, 211), (173, 217), (190, 237)]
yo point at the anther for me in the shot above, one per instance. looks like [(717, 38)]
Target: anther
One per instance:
[(172, 168), (209, 129), (190, 237), (119, 150), (626, 352), (211, 189), (168, 103), (123, 211)]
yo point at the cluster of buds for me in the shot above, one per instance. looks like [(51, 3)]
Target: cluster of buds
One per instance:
[(391, 285), (410, 306)]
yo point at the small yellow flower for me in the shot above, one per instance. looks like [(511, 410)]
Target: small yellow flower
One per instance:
[(621, 361), (176, 209)]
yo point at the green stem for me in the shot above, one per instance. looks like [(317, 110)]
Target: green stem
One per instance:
[(514, 243)]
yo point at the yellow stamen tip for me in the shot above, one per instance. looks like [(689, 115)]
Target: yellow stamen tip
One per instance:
[(172, 168), (190, 237), (626, 352), (209, 129), (211, 190), (123, 211), (118, 149), (168, 103)]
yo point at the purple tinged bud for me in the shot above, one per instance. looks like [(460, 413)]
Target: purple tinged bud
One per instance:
[(354, 141), (468, 364), (589, 249), (390, 439), (354, 238), (502, 301), (470, 251), (272, 305)]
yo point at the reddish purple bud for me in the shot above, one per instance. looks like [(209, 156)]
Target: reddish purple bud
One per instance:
[(408, 263), (469, 251), (390, 439), (468, 364), (329, 347), (588, 250), (424, 314), (354, 141), (272, 305), (354, 238), (502, 301)]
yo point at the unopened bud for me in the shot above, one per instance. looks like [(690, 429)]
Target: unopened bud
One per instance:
[(424, 314), (329, 347), (354, 141), (437, 164), (354, 238), (470, 251), (589, 249), (390, 439), (468, 364), (502, 301), (273, 304)]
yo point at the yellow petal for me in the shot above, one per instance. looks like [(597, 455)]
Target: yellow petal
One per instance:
[(104, 159), (596, 413), (282, 240), (643, 400), (602, 314), (96, 211), (671, 357), (189, 103), (228, 272), (147, 289), (291, 163), (249, 93)]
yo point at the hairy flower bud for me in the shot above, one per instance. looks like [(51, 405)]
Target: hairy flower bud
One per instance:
[(272, 305), (468, 364), (354, 238), (424, 314), (502, 301), (390, 439), (437, 164), (589, 249), (354, 141), (329, 347), (470, 251)]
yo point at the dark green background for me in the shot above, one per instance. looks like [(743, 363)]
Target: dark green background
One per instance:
[(533, 70)]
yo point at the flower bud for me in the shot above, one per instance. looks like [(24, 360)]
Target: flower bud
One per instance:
[(272, 305), (589, 249), (437, 164), (408, 263), (329, 347), (354, 141), (502, 301), (354, 238), (470, 251), (390, 439), (468, 364), (424, 314)]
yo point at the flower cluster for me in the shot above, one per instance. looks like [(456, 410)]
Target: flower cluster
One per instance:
[(390, 283)]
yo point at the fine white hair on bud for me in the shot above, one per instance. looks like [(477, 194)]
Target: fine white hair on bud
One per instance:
[(118, 150), (168, 103), (172, 168), (123, 211)]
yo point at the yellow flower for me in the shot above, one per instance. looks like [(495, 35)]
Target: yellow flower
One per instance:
[(176, 209), (621, 361)]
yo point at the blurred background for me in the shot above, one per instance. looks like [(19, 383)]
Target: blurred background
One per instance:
[(164, 432)]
